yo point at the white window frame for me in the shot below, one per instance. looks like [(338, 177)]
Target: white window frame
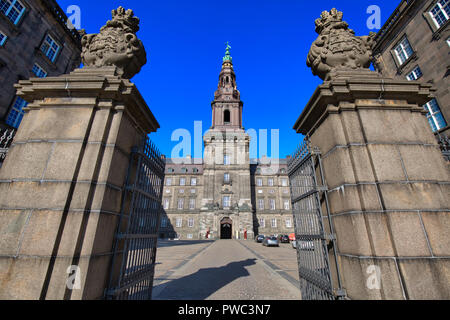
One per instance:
[(226, 201), (191, 222), (50, 48), (226, 178), (274, 223), (39, 71), (439, 6), (432, 115), (17, 107), (192, 203), (259, 182), (270, 182), (226, 160), (4, 37), (287, 205), (181, 191), (181, 204), (182, 181), (272, 204), (193, 181), (261, 204), (179, 223), (166, 204), (403, 45), (168, 182), (415, 74), (12, 4), (284, 183), (190, 236), (288, 223), (262, 222)]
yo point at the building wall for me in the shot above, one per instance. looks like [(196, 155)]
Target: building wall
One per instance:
[(21, 49), (206, 219), (431, 47)]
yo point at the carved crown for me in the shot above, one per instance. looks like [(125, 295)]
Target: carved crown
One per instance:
[(328, 18), (124, 19)]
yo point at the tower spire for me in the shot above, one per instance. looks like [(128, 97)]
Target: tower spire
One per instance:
[(227, 105)]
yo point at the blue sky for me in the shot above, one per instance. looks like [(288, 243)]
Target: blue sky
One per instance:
[(185, 43)]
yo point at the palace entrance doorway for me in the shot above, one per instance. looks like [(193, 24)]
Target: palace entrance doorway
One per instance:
[(226, 229)]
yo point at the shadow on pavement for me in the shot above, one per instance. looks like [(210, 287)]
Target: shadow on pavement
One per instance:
[(167, 243), (203, 283)]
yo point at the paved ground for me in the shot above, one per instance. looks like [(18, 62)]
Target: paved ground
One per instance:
[(225, 270)]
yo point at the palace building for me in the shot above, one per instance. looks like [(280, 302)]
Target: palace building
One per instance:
[(226, 195)]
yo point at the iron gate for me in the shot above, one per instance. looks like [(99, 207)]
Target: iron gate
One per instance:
[(6, 138), (133, 263), (314, 230)]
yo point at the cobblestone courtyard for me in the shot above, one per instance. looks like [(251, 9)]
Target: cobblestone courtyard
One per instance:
[(225, 270)]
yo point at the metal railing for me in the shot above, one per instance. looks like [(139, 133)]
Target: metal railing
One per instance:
[(133, 264), (309, 196), (6, 138)]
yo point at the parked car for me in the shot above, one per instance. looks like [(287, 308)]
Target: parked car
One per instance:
[(271, 242), (260, 238), (285, 239), (292, 237)]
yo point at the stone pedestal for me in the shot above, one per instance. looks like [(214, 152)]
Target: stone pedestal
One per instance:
[(61, 184), (389, 185)]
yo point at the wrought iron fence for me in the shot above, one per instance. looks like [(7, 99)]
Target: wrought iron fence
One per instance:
[(133, 264), (313, 240), (6, 138), (444, 143)]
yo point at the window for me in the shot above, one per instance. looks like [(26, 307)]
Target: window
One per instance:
[(179, 223), (261, 204), (448, 41), (50, 48), (166, 204), (260, 191), (181, 191), (16, 114), (182, 181), (284, 182), (193, 181), (38, 71), (270, 182), (403, 51), (180, 204), (3, 38), (226, 160), (415, 74), (170, 170), (259, 182), (262, 223), (441, 12), (164, 222), (169, 182), (168, 191), (195, 170), (274, 223), (12, 9), (287, 205), (226, 177), (272, 191), (191, 223), (434, 116), (286, 191), (227, 117), (192, 204), (190, 236), (184, 170), (288, 223), (226, 202), (272, 204), (193, 191)]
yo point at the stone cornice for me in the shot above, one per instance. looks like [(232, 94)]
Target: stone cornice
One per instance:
[(88, 85), (361, 88)]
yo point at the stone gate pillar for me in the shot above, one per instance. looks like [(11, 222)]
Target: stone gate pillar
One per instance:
[(61, 184), (389, 186)]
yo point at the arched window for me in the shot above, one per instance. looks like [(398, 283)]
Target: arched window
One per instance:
[(228, 80), (227, 117)]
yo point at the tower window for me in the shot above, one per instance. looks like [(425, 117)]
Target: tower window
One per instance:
[(227, 116)]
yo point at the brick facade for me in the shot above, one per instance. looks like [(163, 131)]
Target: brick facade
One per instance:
[(21, 49)]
